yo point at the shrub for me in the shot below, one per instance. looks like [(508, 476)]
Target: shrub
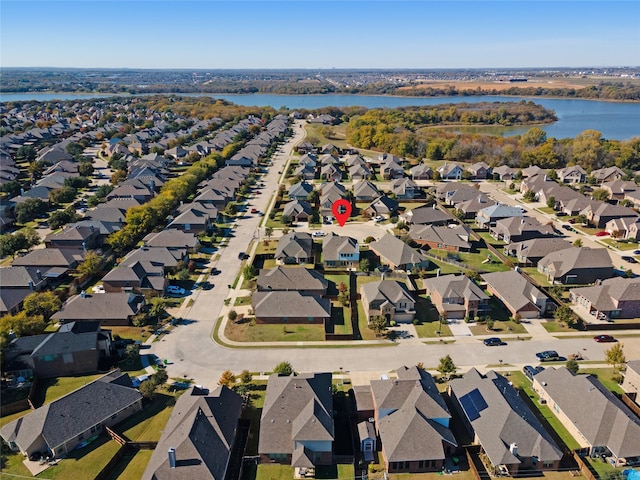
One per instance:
[(232, 315)]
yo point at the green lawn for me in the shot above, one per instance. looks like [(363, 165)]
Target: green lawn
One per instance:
[(50, 389), (620, 245), (486, 236), (240, 301), (134, 333), (334, 282), (430, 330), (552, 326), (245, 332), (267, 247), (147, 425), (605, 376), (131, 468), (547, 210), (536, 275), (365, 332), (341, 317), (274, 471), (499, 326)]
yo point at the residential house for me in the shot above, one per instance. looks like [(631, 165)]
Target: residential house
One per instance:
[(412, 421), (535, 183), (612, 298), (454, 238), (214, 198), (290, 307), (593, 415), (199, 438), (450, 171), (52, 262), (383, 206), (487, 217), (579, 265), (300, 191), (75, 349), (308, 159), (330, 173), (633, 197), (389, 299), (458, 196), (142, 194), (195, 218), (618, 189), (365, 191), (340, 251), (607, 174), (404, 188), (168, 258), (138, 277), (294, 247), (328, 158), (329, 194), (115, 309), (530, 252), (426, 215), (522, 299), (572, 174), (504, 173), (519, 229), (298, 210), (479, 171), (456, 296), (627, 228), (78, 417), (296, 426), (392, 169), (74, 237), (631, 383), (173, 239), (396, 254), (604, 212), (298, 279), (508, 432), (359, 173), (17, 283), (421, 172), (532, 171), (305, 171), (470, 208)]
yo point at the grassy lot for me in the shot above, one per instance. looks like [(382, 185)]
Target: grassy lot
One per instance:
[(620, 245), (240, 301), (365, 332), (499, 326), (547, 210), (362, 279), (245, 332), (334, 282), (586, 230), (266, 247), (131, 468), (522, 382), (430, 330), (536, 275), (147, 425), (445, 268), (489, 239), (273, 471), (339, 471), (10, 418), (50, 389), (257, 391), (605, 376), (341, 318), (552, 326), (134, 333)]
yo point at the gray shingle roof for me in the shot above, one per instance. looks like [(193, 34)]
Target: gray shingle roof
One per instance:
[(455, 286), (386, 290), (395, 251), (513, 288), (333, 245), (563, 261), (425, 215), (294, 245), (101, 306), (457, 236), (290, 278), (500, 417), (282, 304)]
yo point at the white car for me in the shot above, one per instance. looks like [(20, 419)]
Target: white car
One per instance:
[(98, 289), (379, 218), (175, 289), (318, 234)]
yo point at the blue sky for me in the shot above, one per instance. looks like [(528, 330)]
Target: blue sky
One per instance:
[(327, 34)]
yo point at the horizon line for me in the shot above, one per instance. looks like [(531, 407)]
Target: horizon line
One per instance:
[(321, 68)]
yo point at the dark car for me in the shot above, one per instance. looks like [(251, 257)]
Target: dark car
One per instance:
[(242, 256), (548, 356), (629, 259), (215, 271), (567, 227), (529, 371), (636, 252), (604, 339), (561, 214), (493, 342)]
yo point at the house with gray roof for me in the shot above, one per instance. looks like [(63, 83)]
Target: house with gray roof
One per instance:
[(305, 171), (398, 255), (75, 349), (580, 265), (600, 214), (612, 298), (522, 299), (331, 173), (200, 435), (296, 426), (426, 215), (504, 173), (365, 191), (388, 298), (340, 251), (487, 217), (80, 416), (298, 279), (508, 432), (194, 219), (519, 229), (619, 189), (17, 283), (108, 308), (625, 227), (594, 416), (173, 238), (298, 210), (572, 174), (421, 172), (75, 236), (450, 171), (168, 258), (290, 307), (404, 188), (530, 252), (412, 421), (453, 238), (138, 277), (329, 194), (383, 206), (359, 172), (300, 191), (294, 247), (470, 208), (456, 296), (479, 170), (631, 383), (52, 262), (607, 174), (392, 169)]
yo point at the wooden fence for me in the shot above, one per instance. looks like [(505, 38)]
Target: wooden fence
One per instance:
[(584, 467), (633, 406)]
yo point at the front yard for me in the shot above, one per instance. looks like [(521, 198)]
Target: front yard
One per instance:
[(245, 331)]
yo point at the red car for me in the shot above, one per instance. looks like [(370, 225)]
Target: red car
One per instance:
[(604, 339), (602, 234)]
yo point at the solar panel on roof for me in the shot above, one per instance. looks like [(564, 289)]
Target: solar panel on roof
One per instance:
[(469, 408), (478, 399)]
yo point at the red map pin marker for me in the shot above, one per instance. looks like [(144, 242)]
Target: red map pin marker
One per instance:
[(341, 210)]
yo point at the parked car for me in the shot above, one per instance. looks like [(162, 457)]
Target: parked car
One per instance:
[(493, 342), (242, 256), (567, 227), (572, 221), (379, 218), (602, 234), (254, 210), (548, 356), (604, 339), (636, 252), (98, 289), (176, 290), (561, 214), (318, 234), (384, 268), (215, 271), (629, 259)]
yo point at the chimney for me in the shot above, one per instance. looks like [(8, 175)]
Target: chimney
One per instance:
[(39, 274), (172, 457), (83, 294), (91, 228), (513, 448), (84, 246), (22, 192), (31, 285)]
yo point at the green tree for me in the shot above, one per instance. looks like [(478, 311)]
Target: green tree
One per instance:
[(147, 389), (573, 366), (35, 170), (19, 241), (249, 272), (615, 356), (91, 265), (157, 307), (22, 325), (529, 196), (365, 265), (551, 202), (60, 218), (489, 323), (564, 314), (378, 324), (232, 315), (283, 368), (29, 210), (26, 152), (287, 220), (577, 242), (245, 376), (160, 377), (446, 368), (600, 194), (533, 137), (62, 195), (85, 169), (11, 188), (268, 231), (231, 209), (75, 149), (77, 182), (228, 379), (44, 304)]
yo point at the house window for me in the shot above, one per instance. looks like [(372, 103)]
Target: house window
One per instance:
[(310, 319), (421, 464), (534, 460), (547, 464), (285, 319)]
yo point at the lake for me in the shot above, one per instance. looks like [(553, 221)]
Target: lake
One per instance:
[(620, 121)]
